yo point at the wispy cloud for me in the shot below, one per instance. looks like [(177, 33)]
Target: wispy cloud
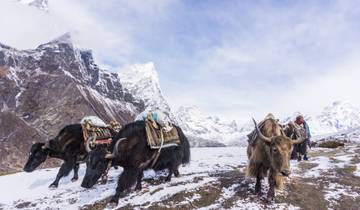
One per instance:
[(236, 58)]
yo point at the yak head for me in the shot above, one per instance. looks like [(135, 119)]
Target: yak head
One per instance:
[(97, 163), (280, 148), (38, 154)]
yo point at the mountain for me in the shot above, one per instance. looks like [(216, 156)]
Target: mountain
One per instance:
[(142, 81), (51, 86), (205, 130), (340, 116), (40, 4)]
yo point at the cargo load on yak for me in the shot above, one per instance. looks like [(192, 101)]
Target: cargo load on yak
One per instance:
[(159, 131), (96, 131), (253, 135)]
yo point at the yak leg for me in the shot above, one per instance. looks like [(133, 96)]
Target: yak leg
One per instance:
[(65, 169), (168, 178), (258, 185), (138, 183), (76, 173), (299, 156), (126, 180), (271, 192), (173, 169), (176, 173)]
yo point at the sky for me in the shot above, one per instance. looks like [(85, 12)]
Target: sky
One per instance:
[(238, 59)]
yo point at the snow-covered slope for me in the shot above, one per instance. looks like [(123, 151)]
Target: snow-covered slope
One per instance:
[(215, 179), (197, 124), (142, 81)]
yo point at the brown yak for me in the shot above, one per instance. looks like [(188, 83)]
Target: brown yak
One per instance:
[(269, 153)]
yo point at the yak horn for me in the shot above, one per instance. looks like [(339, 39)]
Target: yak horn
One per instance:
[(298, 140), (258, 132), (115, 152), (87, 144), (46, 145), (109, 156)]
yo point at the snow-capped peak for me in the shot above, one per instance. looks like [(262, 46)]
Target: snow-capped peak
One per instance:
[(142, 72), (63, 39), (196, 123), (142, 81), (341, 115), (40, 4), (337, 117)]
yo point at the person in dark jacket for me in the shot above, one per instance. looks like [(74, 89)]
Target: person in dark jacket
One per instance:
[(303, 147)]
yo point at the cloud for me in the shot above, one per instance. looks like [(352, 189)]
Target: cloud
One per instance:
[(233, 58), (278, 58)]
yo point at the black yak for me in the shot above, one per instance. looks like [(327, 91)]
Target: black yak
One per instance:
[(68, 146), (130, 150)]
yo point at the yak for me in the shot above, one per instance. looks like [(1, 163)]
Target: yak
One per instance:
[(68, 146), (270, 154), (130, 150), (294, 131)]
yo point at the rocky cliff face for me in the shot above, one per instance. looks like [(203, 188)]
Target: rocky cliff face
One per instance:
[(42, 90)]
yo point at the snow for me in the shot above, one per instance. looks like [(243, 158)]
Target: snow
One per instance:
[(4, 107), (324, 164), (33, 187), (94, 120), (357, 171), (340, 116), (142, 81), (195, 122)]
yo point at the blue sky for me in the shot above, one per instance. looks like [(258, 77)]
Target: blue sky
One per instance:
[(233, 58)]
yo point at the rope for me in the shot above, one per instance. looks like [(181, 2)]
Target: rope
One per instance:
[(104, 176), (161, 146)]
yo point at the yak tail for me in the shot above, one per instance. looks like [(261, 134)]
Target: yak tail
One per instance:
[(185, 146)]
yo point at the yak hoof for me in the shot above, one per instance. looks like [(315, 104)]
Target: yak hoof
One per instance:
[(138, 187), (112, 204), (103, 181), (53, 185), (115, 200), (270, 198), (74, 179), (258, 192)]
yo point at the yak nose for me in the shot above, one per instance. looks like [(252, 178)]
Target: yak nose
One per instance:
[(286, 172)]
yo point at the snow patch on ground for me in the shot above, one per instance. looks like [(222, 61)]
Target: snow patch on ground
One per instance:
[(69, 195)]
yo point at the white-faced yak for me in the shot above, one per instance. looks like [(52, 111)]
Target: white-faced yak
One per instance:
[(130, 150), (269, 153)]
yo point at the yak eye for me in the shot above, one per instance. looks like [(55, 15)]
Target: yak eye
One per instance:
[(275, 150)]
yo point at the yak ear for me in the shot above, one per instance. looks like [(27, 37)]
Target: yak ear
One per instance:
[(128, 144)]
